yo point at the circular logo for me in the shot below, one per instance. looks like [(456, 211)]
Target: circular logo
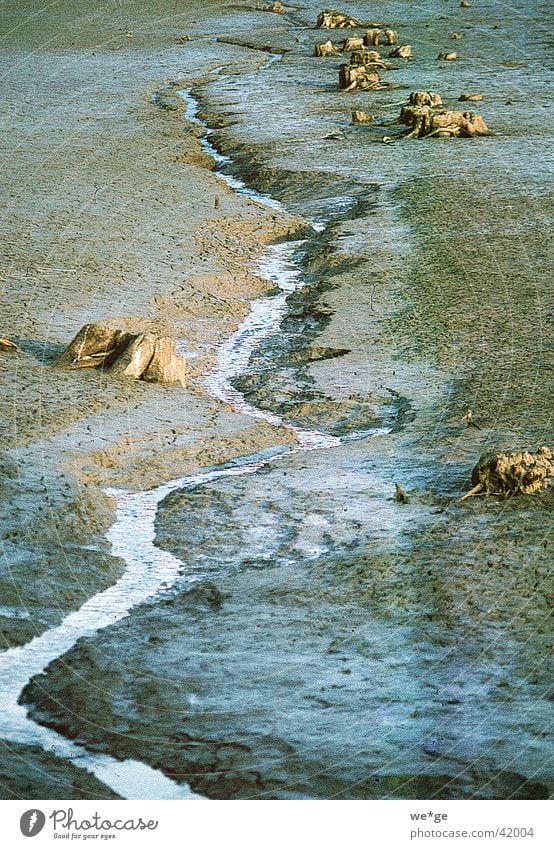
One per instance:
[(32, 822)]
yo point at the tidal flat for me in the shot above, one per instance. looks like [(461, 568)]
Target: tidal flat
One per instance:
[(320, 639)]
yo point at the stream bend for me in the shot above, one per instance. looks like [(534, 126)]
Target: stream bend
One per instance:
[(149, 569)]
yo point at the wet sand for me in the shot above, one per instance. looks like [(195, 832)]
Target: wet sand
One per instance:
[(340, 645)]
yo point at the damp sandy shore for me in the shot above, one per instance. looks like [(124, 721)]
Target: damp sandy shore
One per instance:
[(338, 645)]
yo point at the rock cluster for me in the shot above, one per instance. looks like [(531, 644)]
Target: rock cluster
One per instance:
[(517, 473), (143, 357), (424, 113)]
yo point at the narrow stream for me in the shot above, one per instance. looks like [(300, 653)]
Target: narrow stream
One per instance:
[(151, 570)]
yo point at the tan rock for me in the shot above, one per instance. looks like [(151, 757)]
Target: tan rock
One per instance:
[(141, 357), (376, 36), (337, 20), (363, 77), (152, 358), (361, 117), (425, 98), (515, 473), (94, 345), (372, 37), (475, 97), (166, 366), (448, 57), (327, 48), (350, 44), (136, 358), (276, 7), (366, 57), (443, 123), (7, 345), (403, 52)]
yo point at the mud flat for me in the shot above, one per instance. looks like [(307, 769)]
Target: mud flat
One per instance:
[(336, 643)]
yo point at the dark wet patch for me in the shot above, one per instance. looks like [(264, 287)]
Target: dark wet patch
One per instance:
[(44, 352)]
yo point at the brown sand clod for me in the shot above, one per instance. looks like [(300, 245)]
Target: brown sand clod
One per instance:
[(516, 473)]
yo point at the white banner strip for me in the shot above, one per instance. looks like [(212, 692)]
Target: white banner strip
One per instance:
[(267, 824)]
